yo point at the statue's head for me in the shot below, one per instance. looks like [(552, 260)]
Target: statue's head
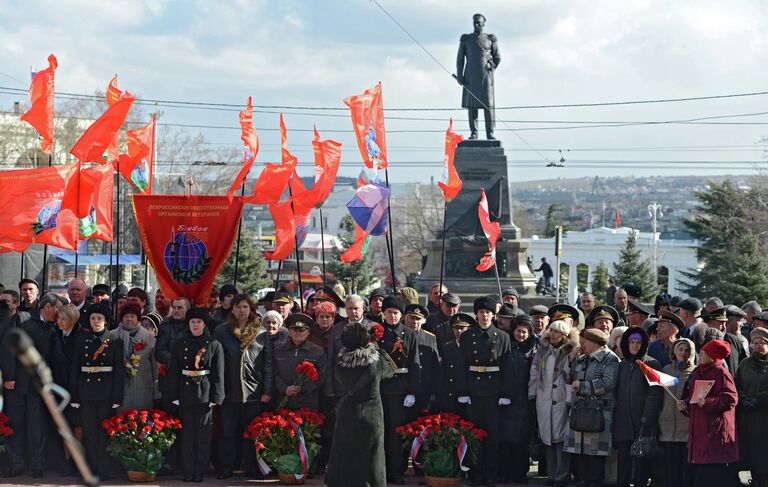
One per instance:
[(478, 20)]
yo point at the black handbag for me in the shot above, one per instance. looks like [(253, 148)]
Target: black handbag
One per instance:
[(644, 446), (587, 415)]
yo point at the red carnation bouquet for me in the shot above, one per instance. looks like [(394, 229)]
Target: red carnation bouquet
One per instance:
[(288, 440), (140, 439), (377, 332), (304, 371), (5, 431), (442, 444)]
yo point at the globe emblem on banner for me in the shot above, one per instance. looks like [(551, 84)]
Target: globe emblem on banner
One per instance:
[(140, 176), (186, 258), (46, 217)]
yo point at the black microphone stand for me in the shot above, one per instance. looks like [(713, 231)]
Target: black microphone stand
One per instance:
[(20, 344)]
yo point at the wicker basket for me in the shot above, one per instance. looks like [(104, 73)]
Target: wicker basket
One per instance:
[(289, 479), (140, 476), (443, 481)]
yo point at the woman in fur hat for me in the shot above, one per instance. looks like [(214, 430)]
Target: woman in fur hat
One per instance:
[(357, 455)]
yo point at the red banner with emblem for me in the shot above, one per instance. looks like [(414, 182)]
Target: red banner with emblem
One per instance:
[(187, 238), (97, 190), (40, 206)]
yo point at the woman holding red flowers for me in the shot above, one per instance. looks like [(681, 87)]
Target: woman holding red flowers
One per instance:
[(357, 455), (196, 384), (140, 366)]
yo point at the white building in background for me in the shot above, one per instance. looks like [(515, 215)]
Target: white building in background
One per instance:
[(602, 245)]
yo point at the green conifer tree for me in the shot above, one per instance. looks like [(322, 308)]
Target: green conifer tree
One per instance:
[(632, 267)]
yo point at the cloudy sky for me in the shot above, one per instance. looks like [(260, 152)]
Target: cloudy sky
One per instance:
[(311, 53)]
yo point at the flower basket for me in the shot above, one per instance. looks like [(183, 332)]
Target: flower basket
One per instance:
[(442, 481), (5, 431), (441, 445), (140, 476), (287, 440), (140, 440)]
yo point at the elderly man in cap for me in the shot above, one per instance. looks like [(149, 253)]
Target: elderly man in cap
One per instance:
[(429, 358), (510, 296), (451, 364), (100, 292), (433, 304), (752, 309), (667, 329), (604, 318), (565, 312), (637, 313), (732, 329), (375, 300), (689, 310), (29, 290), (486, 388), (398, 393), (437, 323), (540, 318), (282, 303), (289, 355), (735, 324)]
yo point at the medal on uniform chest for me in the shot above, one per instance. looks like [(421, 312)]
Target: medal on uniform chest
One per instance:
[(101, 349), (199, 357)]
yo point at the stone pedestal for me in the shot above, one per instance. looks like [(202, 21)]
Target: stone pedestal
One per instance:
[(480, 164)]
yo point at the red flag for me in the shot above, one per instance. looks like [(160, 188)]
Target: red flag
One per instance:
[(358, 248), (327, 160), (271, 183), (13, 247), (187, 239), (301, 217), (92, 144), (492, 232), (289, 159), (95, 206), (251, 142), (113, 96), (618, 218), (40, 114), (450, 182), (137, 167), (40, 205), (285, 231), (368, 121)]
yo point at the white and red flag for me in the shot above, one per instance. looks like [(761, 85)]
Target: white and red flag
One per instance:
[(654, 377), (492, 232)]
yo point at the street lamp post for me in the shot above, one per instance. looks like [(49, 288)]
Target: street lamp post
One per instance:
[(655, 212)]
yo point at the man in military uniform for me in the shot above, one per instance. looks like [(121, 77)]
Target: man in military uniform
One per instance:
[(196, 384), (476, 61), (289, 355), (438, 323), (637, 313), (485, 386), (603, 317), (451, 364), (429, 358), (398, 393)]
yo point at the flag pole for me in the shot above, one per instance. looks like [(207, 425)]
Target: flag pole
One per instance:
[(496, 271), (391, 236), (117, 244), (45, 247), (442, 252), (239, 232), (279, 270), (22, 265), (322, 243), (296, 245)]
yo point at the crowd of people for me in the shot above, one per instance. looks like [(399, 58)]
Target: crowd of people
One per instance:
[(563, 385)]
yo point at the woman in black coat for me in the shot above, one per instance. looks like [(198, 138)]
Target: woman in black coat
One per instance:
[(248, 382), (62, 355), (637, 405), (97, 378), (357, 455)]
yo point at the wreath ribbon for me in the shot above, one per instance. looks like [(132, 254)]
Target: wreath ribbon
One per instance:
[(258, 446), (416, 446), (460, 452), (303, 454)]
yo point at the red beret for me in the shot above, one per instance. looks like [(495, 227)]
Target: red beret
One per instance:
[(717, 349)]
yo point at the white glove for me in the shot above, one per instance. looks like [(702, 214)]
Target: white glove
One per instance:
[(410, 400), (75, 405), (115, 406), (465, 400), (210, 404), (503, 401), (176, 402)]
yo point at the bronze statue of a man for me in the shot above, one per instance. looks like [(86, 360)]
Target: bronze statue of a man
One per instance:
[(481, 52)]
